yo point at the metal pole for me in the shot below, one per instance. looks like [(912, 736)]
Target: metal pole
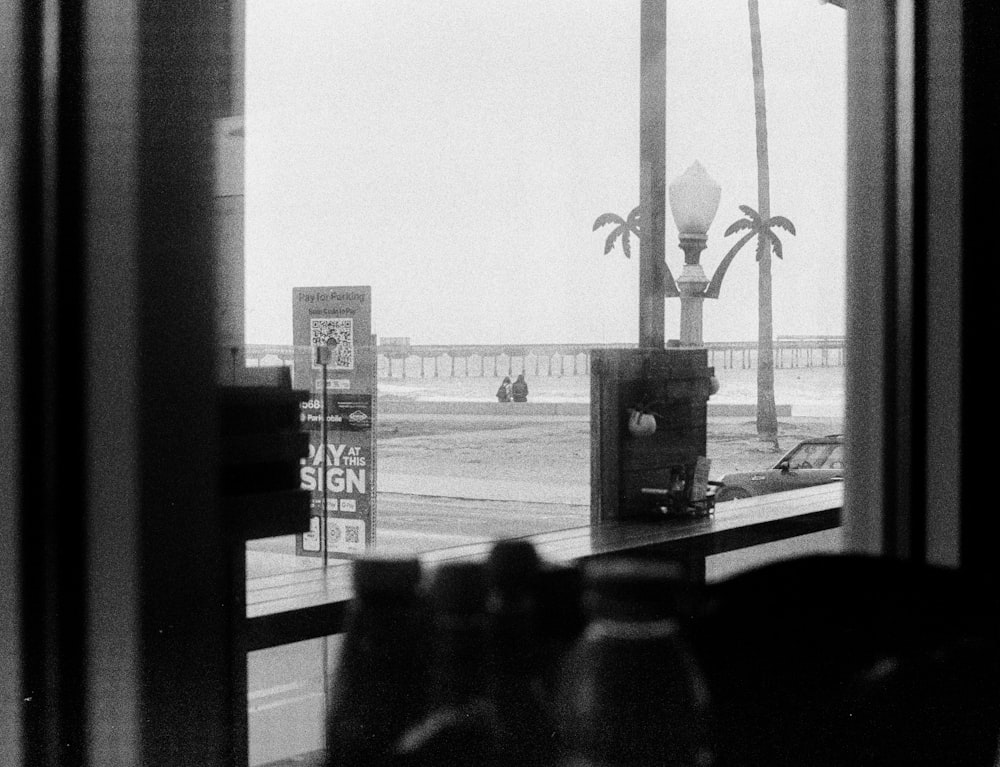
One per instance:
[(691, 318), (692, 283), (326, 479), (652, 164)]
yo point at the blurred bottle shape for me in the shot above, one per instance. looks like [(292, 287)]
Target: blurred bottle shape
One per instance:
[(631, 691), (526, 729), (461, 726), (561, 621), (380, 684)]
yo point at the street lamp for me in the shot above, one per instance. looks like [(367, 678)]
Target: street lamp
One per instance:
[(694, 201)]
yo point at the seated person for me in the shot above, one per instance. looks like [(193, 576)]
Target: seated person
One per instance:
[(503, 393), (519, 390)]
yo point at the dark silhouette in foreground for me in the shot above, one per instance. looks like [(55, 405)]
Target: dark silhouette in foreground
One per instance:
[(852, 660)]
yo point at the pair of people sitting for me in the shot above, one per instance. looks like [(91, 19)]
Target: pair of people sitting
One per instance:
[(513, 392)]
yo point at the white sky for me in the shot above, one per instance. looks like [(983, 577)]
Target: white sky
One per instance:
[(453, 154)]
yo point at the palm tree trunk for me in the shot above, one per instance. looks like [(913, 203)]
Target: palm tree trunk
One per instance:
[(767, 417)]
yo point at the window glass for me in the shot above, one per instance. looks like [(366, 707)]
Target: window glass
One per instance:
[(475, 164), (814, 456), (836, 458), (457, 158), (719, 113), (286, 702), (453, 157)]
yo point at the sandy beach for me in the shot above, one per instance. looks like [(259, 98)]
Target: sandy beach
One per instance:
[(557, 449)]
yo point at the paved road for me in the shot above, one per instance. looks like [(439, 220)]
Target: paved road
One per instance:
[(420, 523)]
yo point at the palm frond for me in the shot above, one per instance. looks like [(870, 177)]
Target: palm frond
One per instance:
[(750, 213), (739, 225), (625, 244), (609, 243), (775, 243), (633, 223), (607, 218), (782, 222)]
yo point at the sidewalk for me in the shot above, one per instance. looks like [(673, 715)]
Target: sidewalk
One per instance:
[(485, 489)]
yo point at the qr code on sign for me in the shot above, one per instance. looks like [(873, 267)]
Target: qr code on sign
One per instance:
[(338, 334), (352, 534)]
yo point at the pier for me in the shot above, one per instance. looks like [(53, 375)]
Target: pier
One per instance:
[(400, 359)]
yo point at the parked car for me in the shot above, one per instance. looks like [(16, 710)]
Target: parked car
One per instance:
[(815, 461)]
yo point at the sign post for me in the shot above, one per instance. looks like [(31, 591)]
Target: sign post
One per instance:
[(335, 362)]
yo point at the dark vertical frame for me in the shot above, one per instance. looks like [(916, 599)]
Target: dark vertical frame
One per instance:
[(185, 631), (115, 315), (231, 47), (923, 121), (67, 365), (981, 163), (940, 215), (880, 433), (911, 274), (120, 601), (870, 167), (905, 333), (11, 118), (51, 345)]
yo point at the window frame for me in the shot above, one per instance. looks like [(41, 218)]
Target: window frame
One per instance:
[(922, 121), (922, 126)]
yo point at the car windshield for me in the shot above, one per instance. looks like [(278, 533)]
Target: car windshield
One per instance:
[(817, 455)]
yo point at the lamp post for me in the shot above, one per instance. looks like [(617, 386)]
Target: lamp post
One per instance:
[(694, 200), (323, 355)]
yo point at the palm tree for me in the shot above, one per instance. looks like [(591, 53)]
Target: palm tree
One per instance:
[(624, 229), (767, 416), (759, 228)]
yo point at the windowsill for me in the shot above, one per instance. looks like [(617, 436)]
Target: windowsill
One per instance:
[(311, 604)]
